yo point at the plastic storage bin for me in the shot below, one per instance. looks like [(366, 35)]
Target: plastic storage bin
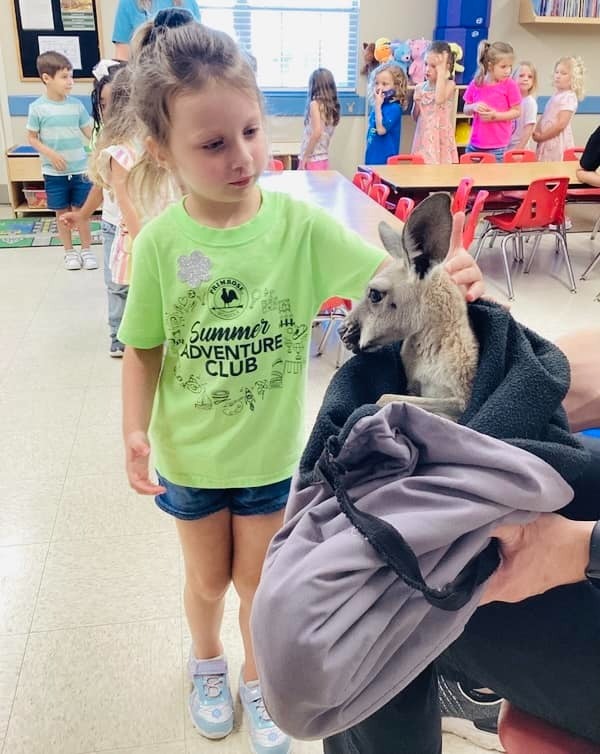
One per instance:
[(36, 198), (463, 13), (468, 39)]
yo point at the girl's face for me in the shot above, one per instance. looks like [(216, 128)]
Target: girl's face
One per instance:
[(562, 77), (432, 60), (525, 79), (384, 81), (217, 145), (501, 69), (105, 93)]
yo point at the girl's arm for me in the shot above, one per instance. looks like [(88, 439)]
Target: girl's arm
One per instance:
[(378, 108), (118, 183), (495, 115), (316, 125), (525, 135), (416, 108), (562, 121), (444, 87), (141, 369)]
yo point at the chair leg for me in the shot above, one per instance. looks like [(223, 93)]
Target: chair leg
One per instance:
[(591, 266), (536, 243), (511, 294), (595, 228), (565, 251), (480, 241), (325, 336)]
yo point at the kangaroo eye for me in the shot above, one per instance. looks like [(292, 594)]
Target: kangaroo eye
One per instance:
[(375, 296)]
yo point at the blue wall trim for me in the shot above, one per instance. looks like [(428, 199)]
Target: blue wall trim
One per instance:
[(278, 103), (293, 104)]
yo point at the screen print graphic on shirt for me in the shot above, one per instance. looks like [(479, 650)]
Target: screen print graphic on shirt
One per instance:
[(256, 354)]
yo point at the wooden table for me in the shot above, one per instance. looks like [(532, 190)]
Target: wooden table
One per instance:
[(495, 176), (335, 194)]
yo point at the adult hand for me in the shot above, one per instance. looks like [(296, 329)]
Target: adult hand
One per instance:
[(58, 162), (137, 451), (460, 265), (549, 552)]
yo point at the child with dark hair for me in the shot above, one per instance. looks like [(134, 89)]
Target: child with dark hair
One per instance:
[(55, 124)]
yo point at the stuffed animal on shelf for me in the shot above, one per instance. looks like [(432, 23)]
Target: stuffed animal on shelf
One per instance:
[(383, 50), (401, 54), (416, 69), (369, 60), (458, 53)]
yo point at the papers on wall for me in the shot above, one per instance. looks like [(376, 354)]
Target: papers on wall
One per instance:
[(69, 46), (77, 15), (36, 14)]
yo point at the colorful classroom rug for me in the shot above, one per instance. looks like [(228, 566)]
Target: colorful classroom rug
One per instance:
[(26, 232)]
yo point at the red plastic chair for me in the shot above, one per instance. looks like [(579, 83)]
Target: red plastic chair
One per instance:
[(363, 181), (520, 155), (274, 164), (522, 733), (379, 192), (404, 207), (543, 206), (406, 159), (473, 218), (332, 310), (461, 195), (573, 154), (476, 157)]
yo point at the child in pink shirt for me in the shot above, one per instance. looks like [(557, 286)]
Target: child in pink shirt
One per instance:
[(494, 99)]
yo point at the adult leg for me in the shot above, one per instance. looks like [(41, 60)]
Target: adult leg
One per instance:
[(542, 654), (408, 724), (206, 545)]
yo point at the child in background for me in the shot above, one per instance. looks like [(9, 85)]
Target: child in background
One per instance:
[(104, 73), (433, 107), (320, 119), (526, 77), (493, 98), (553, 133), (229, 279), (55, 123), (388, 86)]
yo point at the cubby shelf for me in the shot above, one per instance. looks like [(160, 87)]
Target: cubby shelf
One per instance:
[(527, 16)]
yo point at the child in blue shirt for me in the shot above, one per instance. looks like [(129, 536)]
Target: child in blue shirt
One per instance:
[(55, 123), (387, 95)]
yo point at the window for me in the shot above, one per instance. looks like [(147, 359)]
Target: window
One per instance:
[(290, 38)]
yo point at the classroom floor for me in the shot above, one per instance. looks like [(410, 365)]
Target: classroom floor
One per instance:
[(91, 625)]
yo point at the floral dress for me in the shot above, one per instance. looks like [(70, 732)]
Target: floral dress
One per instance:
[(434, 135), (552, 150)]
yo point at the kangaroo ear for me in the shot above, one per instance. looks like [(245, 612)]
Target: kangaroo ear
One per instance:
[(392, 242), (426, 235)]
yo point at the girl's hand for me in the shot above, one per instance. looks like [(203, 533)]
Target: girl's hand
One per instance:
[(378, 98), (418, 96), (71, 219), (488, 115), (481, 107), (301, 165), (460, 265), (442, 62), (137, 451)]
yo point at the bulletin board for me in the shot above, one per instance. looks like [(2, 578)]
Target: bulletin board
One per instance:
[(68, 26)]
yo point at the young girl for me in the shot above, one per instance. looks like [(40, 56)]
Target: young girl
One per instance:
[(104, 73), (388, 86), (433, 107), (493, 98), (229, 279), (526, 77), (320, 119), (553, 133)]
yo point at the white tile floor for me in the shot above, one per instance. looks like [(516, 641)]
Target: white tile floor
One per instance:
[(91, 628)]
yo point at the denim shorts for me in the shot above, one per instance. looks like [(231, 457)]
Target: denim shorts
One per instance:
[(66, 191), (498, 152), (191, 503)]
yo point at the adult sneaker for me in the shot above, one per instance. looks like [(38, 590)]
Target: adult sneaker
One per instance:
[(72, 260), (265, 736), (210, 702), (88, 260), (472, 715)]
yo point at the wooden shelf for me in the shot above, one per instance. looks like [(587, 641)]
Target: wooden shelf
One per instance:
[(527, 16), (25, 209)]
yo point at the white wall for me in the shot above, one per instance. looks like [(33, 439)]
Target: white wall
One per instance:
[(542, 44)]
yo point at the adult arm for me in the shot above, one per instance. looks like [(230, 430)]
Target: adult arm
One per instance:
[(590, 161), (582, 402)]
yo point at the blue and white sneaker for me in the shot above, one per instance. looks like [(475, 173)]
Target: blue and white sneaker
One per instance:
[(210, 702), (265, 736)]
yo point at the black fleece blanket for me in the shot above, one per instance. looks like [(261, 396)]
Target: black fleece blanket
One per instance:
[(517, 394)]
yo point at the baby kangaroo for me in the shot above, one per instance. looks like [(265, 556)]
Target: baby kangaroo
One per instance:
[(414, 300)]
